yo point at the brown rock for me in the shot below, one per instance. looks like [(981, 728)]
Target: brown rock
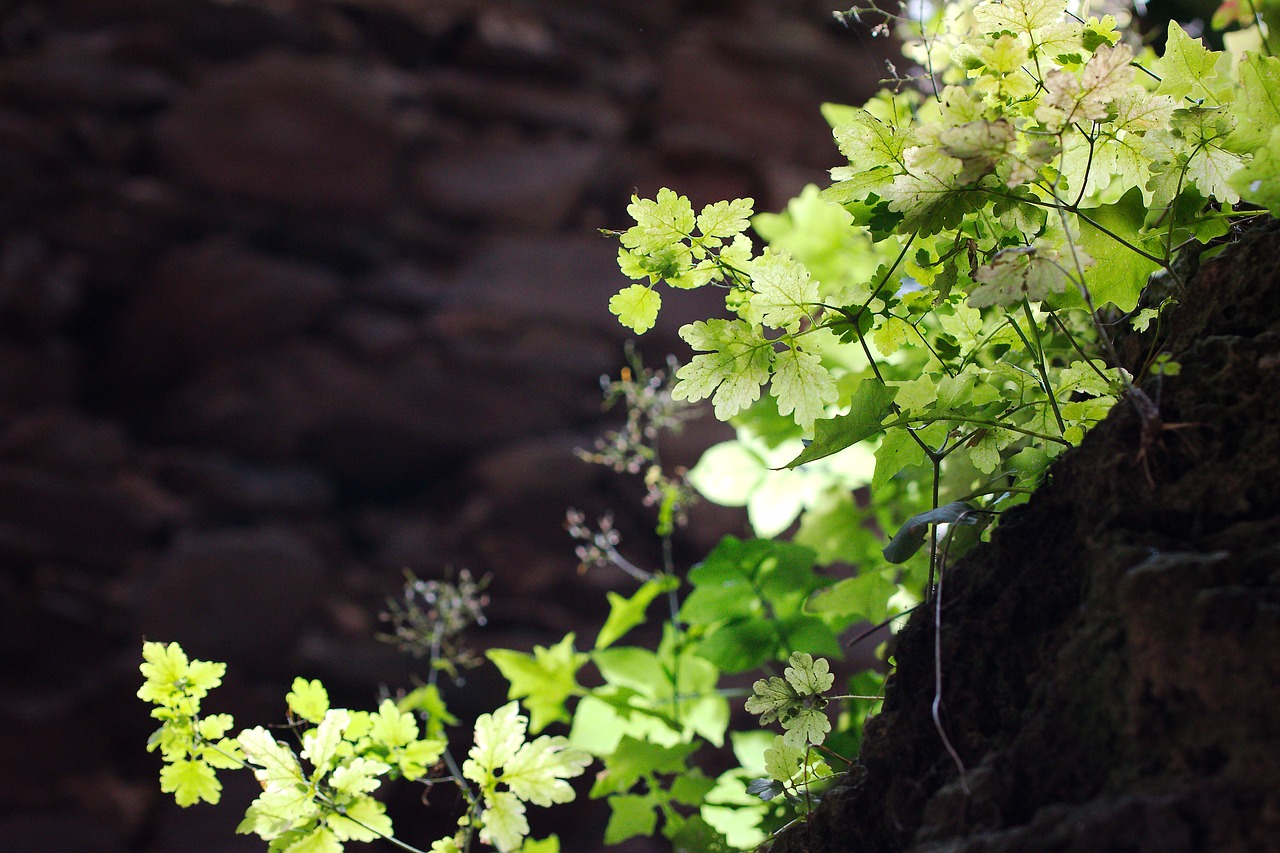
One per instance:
[(223, 484), (303, 133), (232, 594), (390, 427), (218, 297), (97, 521), (533, 185)]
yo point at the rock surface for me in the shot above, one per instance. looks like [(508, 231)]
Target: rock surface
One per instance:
[(1111, 660)]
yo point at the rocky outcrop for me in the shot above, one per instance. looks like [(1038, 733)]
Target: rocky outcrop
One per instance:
[(1110, 660)]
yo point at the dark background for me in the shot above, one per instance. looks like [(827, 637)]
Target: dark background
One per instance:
[(295, 295)]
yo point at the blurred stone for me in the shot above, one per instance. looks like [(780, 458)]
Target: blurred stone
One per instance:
[(522, 183), (218, 297), (379, 429), (64, 442), (233, 594), (35, 377), (285, 130), (98, 521), (224, 484), (78, 71), (37, 289), (541, 105), (377, 336)]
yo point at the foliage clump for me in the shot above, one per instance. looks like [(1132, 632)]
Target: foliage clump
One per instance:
[(933, 329)]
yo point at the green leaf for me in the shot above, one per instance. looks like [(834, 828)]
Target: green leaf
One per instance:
[(1258, 181), (308, 699), (426, 699), (725, 219), (898, 450), (1187, 68), (630, 815), (735, 366), (1119, 274), (870, 405), (865, 596), (784, 292), (636, 307), (740, 645), (1257, 104), (659, 222), (910, 537), (626, 613), (538, 770), (190, 782), (636, 759), (802, 385), (364, 819), (544, 679)]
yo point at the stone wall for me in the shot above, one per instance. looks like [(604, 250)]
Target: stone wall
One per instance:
[(295, 294)]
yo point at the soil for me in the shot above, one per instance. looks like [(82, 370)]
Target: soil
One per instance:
[(1111, 659)]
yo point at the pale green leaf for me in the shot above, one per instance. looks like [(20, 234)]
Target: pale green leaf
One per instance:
[(308, 700), (276, 765), (543, 680), (1024, 272), (636, 307), (784, 293), (802, 385), (318, 840), (660, 222), (365, 819), (735, 364), (498, 737), (320, 745), (538, 771), (1020, 17), (357, 776), (392, 727), (809, 676), (725, 219), (190, 782), (504, 823)]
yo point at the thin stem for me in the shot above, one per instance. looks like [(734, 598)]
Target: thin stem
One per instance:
[(1038, 352), (933, 528), (936, 707)]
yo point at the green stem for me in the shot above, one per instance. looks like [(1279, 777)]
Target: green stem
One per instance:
[(1038, 352)]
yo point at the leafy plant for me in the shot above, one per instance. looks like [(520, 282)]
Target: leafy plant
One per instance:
[(933, 331)]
